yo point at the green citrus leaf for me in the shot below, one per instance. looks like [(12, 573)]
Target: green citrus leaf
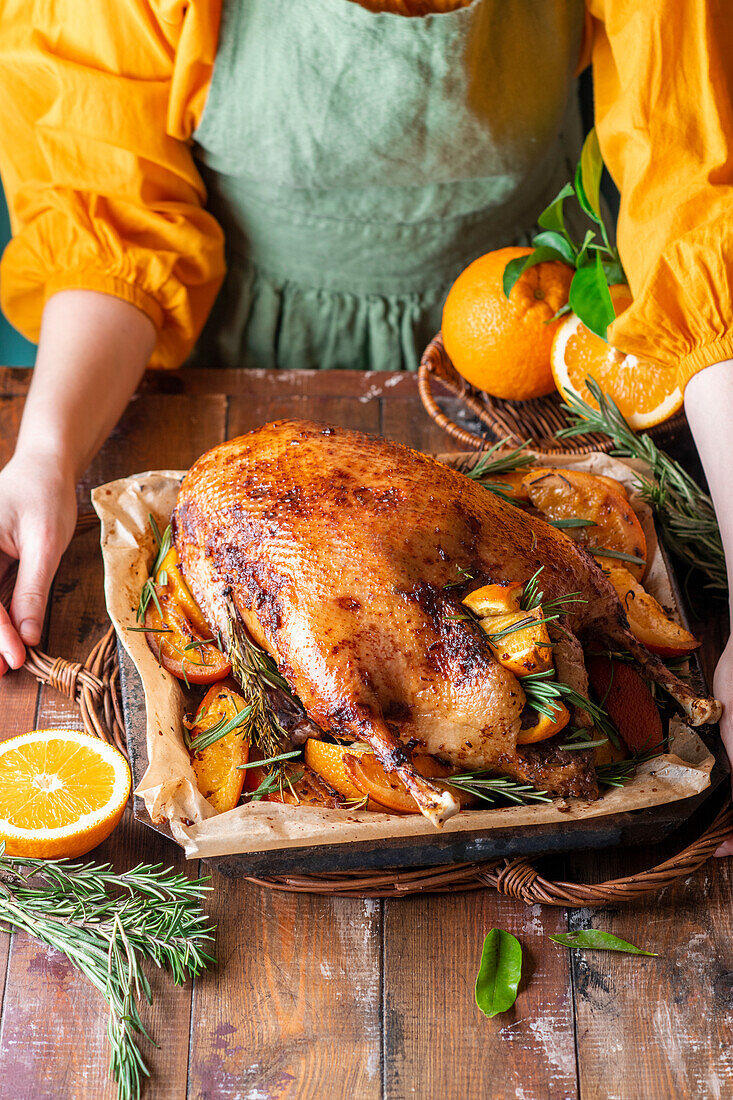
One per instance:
[(498, 976), (589, 297), (588, 177), (583, 254), (557, 241), (520, 264), (590, 939), (614, 272), (553, 217)]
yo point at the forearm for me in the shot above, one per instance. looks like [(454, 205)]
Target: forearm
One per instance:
[(709, 408), (91, 356)]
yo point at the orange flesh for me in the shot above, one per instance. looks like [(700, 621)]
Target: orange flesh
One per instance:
[(52, 784), (523, 651), (648, 619), (545, 727), (216, 767), (494, 599)]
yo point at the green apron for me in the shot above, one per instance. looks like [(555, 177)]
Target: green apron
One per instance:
[(358, 161)]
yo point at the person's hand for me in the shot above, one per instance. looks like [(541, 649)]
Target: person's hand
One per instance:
[(37, 518), (723, 690)]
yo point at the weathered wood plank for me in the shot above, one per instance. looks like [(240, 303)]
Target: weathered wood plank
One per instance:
[(405, 420), (437, 1042), (294, 1009), (247, 413), (158, 433), (660, 1027), (53, 1017)]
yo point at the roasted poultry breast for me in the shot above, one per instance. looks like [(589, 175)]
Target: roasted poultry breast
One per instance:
[(344, 556)]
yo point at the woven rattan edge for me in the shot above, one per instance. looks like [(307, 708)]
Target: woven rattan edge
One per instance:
[(516, 421)]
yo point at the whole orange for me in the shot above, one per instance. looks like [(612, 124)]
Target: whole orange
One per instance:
[(503, 345)]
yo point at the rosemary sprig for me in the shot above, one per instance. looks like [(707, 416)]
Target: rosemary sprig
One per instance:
[(533, 596), (107, 925), (489, 787), (148, 591), (221, 729), (619, 772), (544, 693), (605, 552), (569, 522), (464, 577), (684, 510), (270, 760), (489, 465), (256, 671)]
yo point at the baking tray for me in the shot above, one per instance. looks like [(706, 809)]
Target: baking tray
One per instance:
[(647, 826)]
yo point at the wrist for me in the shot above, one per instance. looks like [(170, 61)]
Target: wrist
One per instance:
[(43, 459)]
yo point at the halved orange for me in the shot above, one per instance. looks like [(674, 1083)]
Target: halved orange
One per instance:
[(62, 792), (646, 392)]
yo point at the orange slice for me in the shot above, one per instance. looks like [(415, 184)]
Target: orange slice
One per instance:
[(647, 393), (217, 767), (648, 620), (545, 727), (494, 599), (525, 650), (371, 778), (62, 792)]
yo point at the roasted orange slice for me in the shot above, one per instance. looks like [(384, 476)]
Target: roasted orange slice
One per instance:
[(566, 496), (545, 727), (366, 773), (524, 649), (648, 620), (494, 599), (175, 587), (217, 766)]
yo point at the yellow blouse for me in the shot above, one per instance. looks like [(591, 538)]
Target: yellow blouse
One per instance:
[(106, 198)]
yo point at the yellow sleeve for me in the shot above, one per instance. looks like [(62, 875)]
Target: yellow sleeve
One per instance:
[(663, 83), (97, 106)]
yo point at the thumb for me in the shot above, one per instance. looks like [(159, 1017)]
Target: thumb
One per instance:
[(39, 558)]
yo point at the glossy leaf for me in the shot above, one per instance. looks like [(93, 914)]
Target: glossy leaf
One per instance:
[(516, 267), (553, 217), (583, 254), (590, 939), (588, 177), (557, 241), (590, 299), (498, 977), (614, 272)]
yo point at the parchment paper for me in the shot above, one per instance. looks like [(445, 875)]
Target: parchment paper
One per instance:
[(169, 786)]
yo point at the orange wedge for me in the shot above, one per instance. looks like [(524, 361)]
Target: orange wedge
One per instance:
[(62, 792), (647, 393), (371, 778), (648, 620), (525, 650), (494, 599), (545, 727), (217, 767)]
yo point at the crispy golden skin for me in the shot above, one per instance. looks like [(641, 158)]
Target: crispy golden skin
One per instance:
[(341, 553)]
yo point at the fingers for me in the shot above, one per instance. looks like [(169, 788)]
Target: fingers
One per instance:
[(725, 849), (39, 558), (12, 650)]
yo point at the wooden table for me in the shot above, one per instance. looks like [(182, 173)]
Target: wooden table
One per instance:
[(320, 998)]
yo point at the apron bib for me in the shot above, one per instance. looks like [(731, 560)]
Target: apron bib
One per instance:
[(358, 161)]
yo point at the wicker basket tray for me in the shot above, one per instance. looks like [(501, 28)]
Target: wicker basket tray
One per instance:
[(537, 420), (94, 686)]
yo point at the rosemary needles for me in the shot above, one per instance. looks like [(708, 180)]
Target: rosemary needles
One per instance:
[(685, 511), (108, 925)]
